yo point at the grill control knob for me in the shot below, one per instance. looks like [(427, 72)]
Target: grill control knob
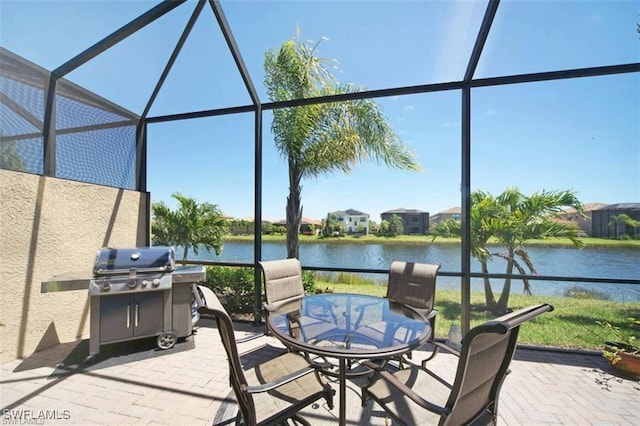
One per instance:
[(106, 287), (144, 283), (156, 282)]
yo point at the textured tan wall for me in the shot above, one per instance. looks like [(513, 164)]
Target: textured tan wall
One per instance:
[(50, 226)]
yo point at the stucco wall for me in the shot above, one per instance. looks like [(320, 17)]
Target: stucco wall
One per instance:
[(50, 226)]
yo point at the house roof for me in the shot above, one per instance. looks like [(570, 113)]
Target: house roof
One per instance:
[(403, 210), (351, 212), (622, 206), (588, 207), (452, 210)]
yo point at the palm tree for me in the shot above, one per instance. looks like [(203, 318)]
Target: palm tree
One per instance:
[(511, 219), (484, 211), (192, 225), (624, 219), (396, 225), (616, 221), (524, 218), (635, 224), (323, 138)]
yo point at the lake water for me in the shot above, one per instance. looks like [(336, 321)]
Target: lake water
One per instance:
[(550, 261)]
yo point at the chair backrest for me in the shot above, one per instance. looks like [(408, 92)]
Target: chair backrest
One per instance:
[(282, 282), (486, 353), (236, 373), (412, 284)]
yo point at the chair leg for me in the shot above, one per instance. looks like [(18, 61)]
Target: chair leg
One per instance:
[(433, 354)]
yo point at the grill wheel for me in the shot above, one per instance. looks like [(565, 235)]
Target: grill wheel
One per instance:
[(167, 340)]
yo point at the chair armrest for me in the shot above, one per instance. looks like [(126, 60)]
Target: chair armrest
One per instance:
[(407, 391), (447, 348), (267, 307), (265, 387), (431, 314)]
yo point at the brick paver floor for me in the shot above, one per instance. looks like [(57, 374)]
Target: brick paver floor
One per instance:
[(191, 387)]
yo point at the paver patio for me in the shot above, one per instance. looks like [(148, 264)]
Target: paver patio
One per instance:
[(191, 387)]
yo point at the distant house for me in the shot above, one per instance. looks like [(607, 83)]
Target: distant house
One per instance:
[(585, 223), (307, 226), (414, 221), (603, 222), (353, 221), (451, 213)]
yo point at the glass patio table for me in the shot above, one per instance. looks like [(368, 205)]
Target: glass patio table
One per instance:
[(350, 327)]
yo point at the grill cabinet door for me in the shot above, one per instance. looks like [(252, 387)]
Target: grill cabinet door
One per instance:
[(124, 316), (116, 317), (148, 313)]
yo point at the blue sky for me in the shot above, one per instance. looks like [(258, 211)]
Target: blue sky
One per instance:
[(581, 134)]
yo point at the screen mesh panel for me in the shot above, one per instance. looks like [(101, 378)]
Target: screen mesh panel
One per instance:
[(22, 107), (105, 156), (24, 155), (76, 107), (21, 114), (14, 124), (95, 139)]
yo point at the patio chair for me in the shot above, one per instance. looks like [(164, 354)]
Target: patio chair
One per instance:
[(282, 285), (413, 284), (416, 395), (202, 294), (284, 290), (273, 391)]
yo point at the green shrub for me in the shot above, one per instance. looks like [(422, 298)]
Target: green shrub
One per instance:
[(309, 282), (234, 286)]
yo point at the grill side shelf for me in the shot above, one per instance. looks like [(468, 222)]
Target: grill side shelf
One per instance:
[(69, 281)]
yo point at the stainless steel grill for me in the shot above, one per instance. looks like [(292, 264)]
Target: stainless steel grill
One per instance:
[(135, 293), (132, 270)]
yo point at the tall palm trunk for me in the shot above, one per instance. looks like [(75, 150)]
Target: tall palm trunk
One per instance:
[(184, 255), (503, 302), (294, 211), (488, 292)]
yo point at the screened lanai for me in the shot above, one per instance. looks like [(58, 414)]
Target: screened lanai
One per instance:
[(169, 97)]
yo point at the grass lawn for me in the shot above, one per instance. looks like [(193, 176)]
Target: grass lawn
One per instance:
[(572, 324)]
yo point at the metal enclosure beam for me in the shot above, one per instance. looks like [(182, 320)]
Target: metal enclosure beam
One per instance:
[(174, 56), (117, 36), (257, 214), (481, 39), (465, 185), (465, 217), (141, 156), (235, 52), (49, 129)]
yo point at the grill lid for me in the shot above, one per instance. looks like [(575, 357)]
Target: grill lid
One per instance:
[(120, 261)]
